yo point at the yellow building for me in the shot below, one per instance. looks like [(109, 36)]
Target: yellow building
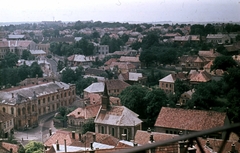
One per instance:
[(28, 103)]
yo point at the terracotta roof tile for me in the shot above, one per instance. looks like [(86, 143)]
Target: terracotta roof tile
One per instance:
[(116, 84), (118, 116), (86, 112), (201, 76), (80, 141), (215, 144), (110, 61), (188, 119), (142, 137)]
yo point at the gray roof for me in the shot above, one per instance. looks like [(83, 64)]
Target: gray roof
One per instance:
[(37, 52), (134, 76), (118, 116), (102, 79), (16, 36), (168, 78), (21, 94), (95, 87)]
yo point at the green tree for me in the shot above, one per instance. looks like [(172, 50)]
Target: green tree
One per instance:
[(26, 55), (35, 70), (133, 98), (10, 60), (68, 75), (238, 37), (124, 38), (205, 96), (60, 65), (150, 40), (83, 83), (180, 87), (155, 99), (23, 71), (88, 126), (34, 147), (95, 34), (223, 62)]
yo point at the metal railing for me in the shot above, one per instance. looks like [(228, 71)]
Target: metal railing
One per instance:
[(190, 137)]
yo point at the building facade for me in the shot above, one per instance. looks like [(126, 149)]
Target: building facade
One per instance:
[(15, 46), (28, 103)]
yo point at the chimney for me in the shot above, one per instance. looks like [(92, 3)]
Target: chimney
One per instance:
[(91, 144), (50, 131), (73, 134), (233, 150), (45, 147), (57, 144), (124, 136), (65, 145), (208, 143), (149, 130), (94, 137), (181, 146), (151, 140)]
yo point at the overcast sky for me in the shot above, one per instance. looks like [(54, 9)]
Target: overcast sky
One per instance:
[(120, 10)]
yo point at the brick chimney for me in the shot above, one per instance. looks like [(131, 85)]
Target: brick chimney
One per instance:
[(50, 131), (65, 145), (233, 149), (57, 145)]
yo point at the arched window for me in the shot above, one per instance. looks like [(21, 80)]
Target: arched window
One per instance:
[(19, 111), (4, 109), (12, 110), (23, 110), (113, 132), (102, 130), (32, 108)]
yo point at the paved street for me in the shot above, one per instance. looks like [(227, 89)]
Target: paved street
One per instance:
[(40, 133)]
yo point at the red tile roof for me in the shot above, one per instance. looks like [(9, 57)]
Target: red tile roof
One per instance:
[(189, 119), (60, 135), (200, 76), (215, 144), (110, 61), (86, 112), (116, 84), (142, 137)]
